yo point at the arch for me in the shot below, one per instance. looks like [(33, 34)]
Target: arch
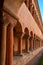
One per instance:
[(26, 31), (18, 29), (31, 34), (26, 40)]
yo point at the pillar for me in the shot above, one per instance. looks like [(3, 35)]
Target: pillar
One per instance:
[(31, 43), (34, 43), (3, 44), (9, 56), (34, 14), (31, 8), (20, 46), (27, 2), (40, 42), (27, 45)]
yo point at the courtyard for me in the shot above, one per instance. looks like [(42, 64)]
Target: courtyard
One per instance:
[(21, 32)]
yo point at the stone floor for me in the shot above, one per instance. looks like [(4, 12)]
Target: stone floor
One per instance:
[(28, 58)]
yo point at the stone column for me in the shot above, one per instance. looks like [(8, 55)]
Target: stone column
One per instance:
[(34, 43), (27, 45), (3, 44), (20, 46), (32, 9), (38, 43), (31, 43), (34, 14), (9, 58), (28, 3)]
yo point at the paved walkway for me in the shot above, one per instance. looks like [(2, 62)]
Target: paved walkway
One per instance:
[(35, 60), (28, 58)]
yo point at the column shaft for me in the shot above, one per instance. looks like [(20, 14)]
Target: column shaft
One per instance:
[(3, 45), (20, 46), (27, 45), (34, 44), (9, 59), (31, 43)]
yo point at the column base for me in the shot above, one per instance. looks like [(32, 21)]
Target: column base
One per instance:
[(31, 49), (18, 54), (28, 51)]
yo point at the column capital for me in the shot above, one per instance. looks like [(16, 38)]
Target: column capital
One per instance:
[(31, 5), (31, 37), (8, 19), (5, 20), (11, 25), (9, 56), (20, 46), (25, 35)]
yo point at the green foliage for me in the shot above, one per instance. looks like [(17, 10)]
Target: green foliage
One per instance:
[(41, 61)]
